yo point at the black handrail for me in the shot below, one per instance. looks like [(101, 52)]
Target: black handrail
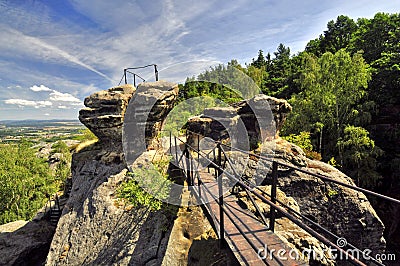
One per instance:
[(265, 200), (126, 70), (325, 178)]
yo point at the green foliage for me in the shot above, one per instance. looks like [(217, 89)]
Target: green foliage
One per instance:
[(85, 135), (148, 187), (332, 193), (332, 86), (136, 195), (332, 162), (193, 106), (348, 76), (230, 82), (303, 140), (338, 36), (25, 182), (359, 155), (63, 168)]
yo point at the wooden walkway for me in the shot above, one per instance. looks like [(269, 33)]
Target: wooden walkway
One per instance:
[(244, 234)]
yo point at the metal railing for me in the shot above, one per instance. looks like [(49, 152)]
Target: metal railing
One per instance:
[(128, 71), (220, 161)]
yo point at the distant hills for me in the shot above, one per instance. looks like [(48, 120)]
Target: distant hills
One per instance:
[(41, 123)]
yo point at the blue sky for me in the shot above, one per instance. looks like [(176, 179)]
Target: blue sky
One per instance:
[(54, 53)]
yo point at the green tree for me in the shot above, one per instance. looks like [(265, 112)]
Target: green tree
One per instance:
[(260, 62), (338, 36), (332, 86), (25, 182), (280, 72), (359, 154)]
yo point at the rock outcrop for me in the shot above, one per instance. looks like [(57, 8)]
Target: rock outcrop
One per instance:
[(256, 108), (96, 228), (260, 118), (26, 243), (341, 210), (104, 114), (151, 104), (345, 212)]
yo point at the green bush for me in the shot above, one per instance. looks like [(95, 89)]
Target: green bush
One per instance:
[(85, 135), (303, 140), (25, 182), (63, 168), (148, 186)]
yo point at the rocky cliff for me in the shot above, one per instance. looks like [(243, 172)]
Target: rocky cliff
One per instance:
[(97, 229)]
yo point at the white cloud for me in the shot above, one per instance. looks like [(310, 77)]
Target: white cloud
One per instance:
[(57, 96), (55, 100), (39, 88), (22, 103)]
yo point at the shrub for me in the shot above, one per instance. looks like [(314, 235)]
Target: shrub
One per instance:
[(148, 186), (303, 140), (25, 182)]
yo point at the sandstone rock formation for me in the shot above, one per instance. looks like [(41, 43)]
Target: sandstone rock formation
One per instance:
[(151, 104), (261, 118), (105, 112), (28, 244), (96, 229), (343, 211), (252, 110)]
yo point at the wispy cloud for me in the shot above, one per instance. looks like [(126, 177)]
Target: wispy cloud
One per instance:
[(80, 46), (54, 99), (22, 44), (22, 103)]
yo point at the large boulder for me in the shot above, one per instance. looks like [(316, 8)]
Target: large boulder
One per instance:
[(253, 110), (257, 119), (104, 112), (152, 103), (26, 243)]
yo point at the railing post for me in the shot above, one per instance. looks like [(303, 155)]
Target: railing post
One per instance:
[(176, 150), (220, 200), (126, 81), (273, 195), (58, 202), (187, 166), (192, 171), (134, 80), (156, 72), (170, 142), (198, 148), (215, 160)]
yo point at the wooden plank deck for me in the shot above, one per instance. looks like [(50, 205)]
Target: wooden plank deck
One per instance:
[(254, 236)]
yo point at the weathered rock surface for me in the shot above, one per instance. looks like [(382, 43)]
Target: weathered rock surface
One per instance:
[(246, 122), (25, 243), (256, 108), (94, 228), (343, 211), (105, 111), (153, 101)]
